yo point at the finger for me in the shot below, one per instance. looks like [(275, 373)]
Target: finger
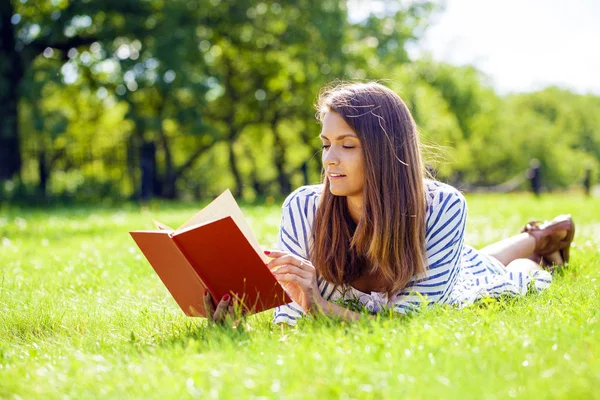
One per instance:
[(286, 259), (293, 278), (283, 259), (219, 314), (275, 253), (298, 263), (209, 306), (292, 269), (306, 266)]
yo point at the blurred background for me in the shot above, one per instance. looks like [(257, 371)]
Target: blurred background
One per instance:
[(141, 99)]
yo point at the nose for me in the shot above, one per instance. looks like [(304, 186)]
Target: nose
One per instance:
[(330, 157)]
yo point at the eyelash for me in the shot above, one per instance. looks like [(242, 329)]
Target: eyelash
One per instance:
[(327, 146)]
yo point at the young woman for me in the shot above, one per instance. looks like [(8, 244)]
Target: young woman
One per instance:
[(379, 233)]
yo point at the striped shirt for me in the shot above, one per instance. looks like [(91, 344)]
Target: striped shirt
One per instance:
[(456, 273)]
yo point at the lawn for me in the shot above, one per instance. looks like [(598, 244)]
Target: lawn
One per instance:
[(82, 315)]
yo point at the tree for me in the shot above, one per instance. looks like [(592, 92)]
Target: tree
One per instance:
[(11, 73), (30, 29)]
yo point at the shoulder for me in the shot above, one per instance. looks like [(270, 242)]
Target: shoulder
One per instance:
[(446, 206), (445, 222), (298, 214), (441, 194), (303, 195)]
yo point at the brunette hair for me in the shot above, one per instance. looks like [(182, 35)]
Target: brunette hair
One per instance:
[(389, 239)]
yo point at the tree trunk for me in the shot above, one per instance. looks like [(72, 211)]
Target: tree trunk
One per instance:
[(169, 187), (133, 162), (11, 73), (44, 173), (148, 168), (283, 179), (234, 170), (234, 127), (169, 180), (256, 183), (304, 169), (307, 135)]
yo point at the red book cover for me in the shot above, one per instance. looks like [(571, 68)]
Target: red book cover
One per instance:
[(173, 269), (215, 250), (228, 264)]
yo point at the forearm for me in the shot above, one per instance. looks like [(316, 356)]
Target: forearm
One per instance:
[(335, 310), (298, 277)]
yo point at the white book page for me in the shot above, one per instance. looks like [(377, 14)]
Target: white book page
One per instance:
[(161, 226), (221, 207)]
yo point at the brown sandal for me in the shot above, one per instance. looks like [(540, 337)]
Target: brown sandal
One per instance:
[(546, 241)]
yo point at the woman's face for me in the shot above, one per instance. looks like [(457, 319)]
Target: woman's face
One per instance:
[(342, 157)]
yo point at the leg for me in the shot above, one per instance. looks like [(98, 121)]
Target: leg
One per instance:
[(548, 241), (515, 247), (523, 263), (552, 237)]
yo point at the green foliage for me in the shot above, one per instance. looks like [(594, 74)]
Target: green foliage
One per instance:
[(486, 139), (223, 90), (83, 315)]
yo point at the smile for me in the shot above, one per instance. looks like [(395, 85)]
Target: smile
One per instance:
[(336, 176)]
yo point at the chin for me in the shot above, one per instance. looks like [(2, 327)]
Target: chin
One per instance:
[(337, 191)]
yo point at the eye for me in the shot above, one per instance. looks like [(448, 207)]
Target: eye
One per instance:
[(349, 147), (325, 146)]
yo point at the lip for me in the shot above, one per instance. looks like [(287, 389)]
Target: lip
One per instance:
[(332, 175)]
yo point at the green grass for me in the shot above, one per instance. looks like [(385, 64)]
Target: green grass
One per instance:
[(82, 315)]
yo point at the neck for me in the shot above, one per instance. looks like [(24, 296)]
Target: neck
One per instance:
[(355, 207)]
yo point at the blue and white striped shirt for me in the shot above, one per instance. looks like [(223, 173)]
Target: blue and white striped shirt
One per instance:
[(456, 274)]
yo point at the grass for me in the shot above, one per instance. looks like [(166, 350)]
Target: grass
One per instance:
[(82, 315)]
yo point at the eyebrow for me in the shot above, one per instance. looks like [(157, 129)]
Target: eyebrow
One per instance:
[(339, 137)]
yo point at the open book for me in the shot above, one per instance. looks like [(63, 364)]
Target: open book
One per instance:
[(215, 250)]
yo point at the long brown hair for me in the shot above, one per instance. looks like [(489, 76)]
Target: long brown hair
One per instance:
[(389, 239)]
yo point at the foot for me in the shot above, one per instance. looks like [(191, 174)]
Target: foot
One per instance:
[(552, 236), (547, 262), (552, 261), (536, 258)]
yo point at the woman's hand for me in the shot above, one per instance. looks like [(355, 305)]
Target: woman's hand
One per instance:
[(224, 311), (299, 278)]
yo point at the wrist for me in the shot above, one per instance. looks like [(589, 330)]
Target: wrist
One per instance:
[(320, 306)]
